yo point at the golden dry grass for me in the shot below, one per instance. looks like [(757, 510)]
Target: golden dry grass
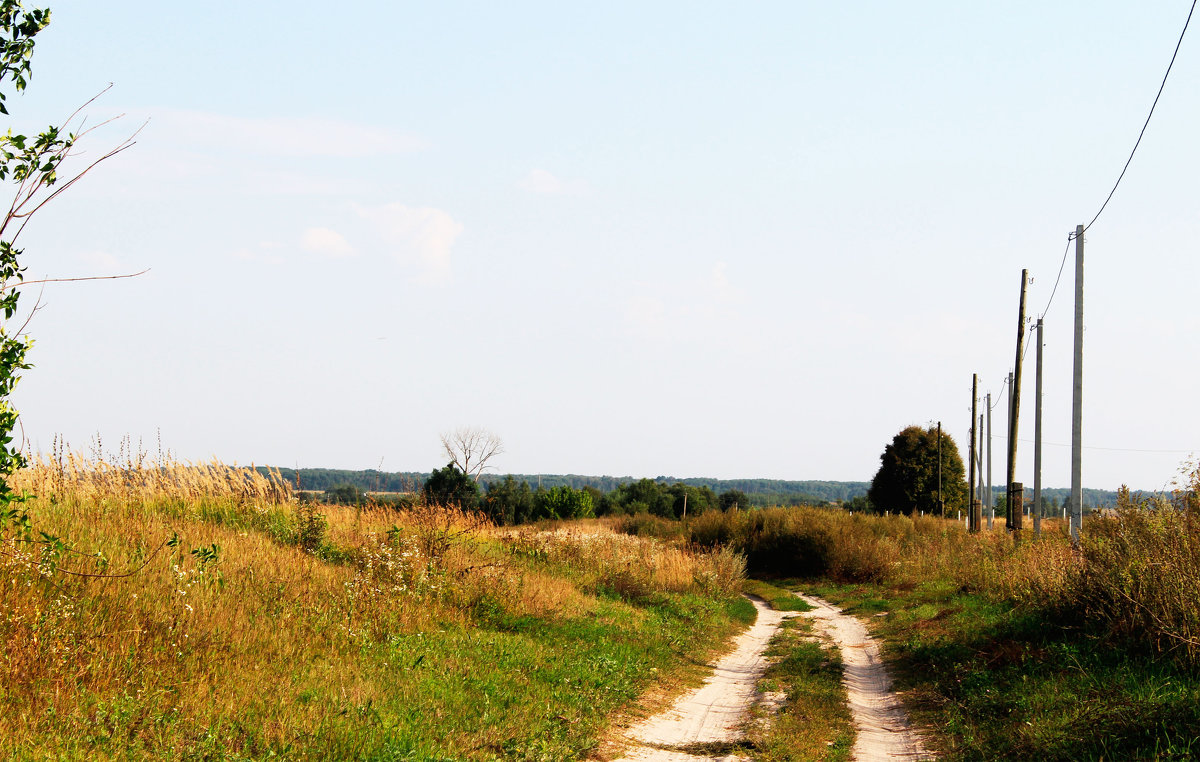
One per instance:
[(136, 476), (210, 628)]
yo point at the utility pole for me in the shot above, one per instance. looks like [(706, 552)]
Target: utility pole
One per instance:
[(941, 505), (988, 496), (979, 456), (1016, 513), (1077, 397), (1037, 439), (972, 525)]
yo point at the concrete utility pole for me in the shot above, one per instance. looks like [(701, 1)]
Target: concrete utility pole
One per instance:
[(1016, 512), (991, 505), (1077, 397), (972, 525), (1037, 439)]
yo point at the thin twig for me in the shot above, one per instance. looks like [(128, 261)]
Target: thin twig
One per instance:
[(72, 280)]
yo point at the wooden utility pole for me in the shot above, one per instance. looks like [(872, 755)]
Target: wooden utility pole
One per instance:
[(1016, 513), (972, 525), (982, 489), (1077, 397), (1037, 439), (941, 505)]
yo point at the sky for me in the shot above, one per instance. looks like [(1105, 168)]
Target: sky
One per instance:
[(681, 239)]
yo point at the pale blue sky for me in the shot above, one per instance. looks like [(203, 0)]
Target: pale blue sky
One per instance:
[(695, 239)]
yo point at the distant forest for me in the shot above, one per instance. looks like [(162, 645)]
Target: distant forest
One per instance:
[(760, 491)]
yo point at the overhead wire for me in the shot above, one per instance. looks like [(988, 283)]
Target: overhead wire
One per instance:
[(1063, 264), (1072, 235), (1146, 123)]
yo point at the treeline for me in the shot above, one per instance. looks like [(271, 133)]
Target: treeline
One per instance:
[(369, 480), (348, 486), (509, 501), (759, 492)]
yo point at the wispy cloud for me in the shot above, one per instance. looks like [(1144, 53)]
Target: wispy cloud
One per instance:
[(327, 242), (420, 236)]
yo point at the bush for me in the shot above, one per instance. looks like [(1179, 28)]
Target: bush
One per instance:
[(806, 541), (310, 527), (450, 486)]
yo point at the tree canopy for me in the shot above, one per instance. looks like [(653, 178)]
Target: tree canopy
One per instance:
[(451, 486), (907, 479)]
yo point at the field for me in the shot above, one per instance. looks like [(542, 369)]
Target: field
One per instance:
[(157, 610), (179, 611)]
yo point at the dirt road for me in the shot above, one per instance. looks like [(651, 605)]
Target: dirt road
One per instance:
[(706, 724), (881, 725)]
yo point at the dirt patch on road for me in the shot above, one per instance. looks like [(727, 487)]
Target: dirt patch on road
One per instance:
[(883, 732), (709, 723)]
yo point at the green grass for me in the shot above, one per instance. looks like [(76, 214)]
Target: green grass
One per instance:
[(777, 597), (991, 680)]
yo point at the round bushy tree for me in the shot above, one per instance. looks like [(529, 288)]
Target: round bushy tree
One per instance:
[(907, 479), (450, 486)]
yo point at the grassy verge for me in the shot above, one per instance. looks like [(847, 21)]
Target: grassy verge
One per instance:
[(991, 680), (251, 630)]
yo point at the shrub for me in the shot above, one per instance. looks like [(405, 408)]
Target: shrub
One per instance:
[(806, 541), (310, 527)]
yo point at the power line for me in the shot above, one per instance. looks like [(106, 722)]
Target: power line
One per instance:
[(1053, 291), (1147, 122)]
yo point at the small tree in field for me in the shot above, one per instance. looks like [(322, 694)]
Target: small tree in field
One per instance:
[(450, 486), (907, 479), (470, 448)]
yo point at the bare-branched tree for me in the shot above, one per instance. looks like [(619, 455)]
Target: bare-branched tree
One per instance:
[(470, 448)]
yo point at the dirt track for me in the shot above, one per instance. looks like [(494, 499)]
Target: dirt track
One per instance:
[(881, 725), (704, 723), (714, 713)]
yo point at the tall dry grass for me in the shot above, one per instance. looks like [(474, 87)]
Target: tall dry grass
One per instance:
[(630, 566), (1141, 569), (135, 475), (186, 611)]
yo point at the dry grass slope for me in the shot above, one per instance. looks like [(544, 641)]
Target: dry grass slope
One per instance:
[(194, 612)]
